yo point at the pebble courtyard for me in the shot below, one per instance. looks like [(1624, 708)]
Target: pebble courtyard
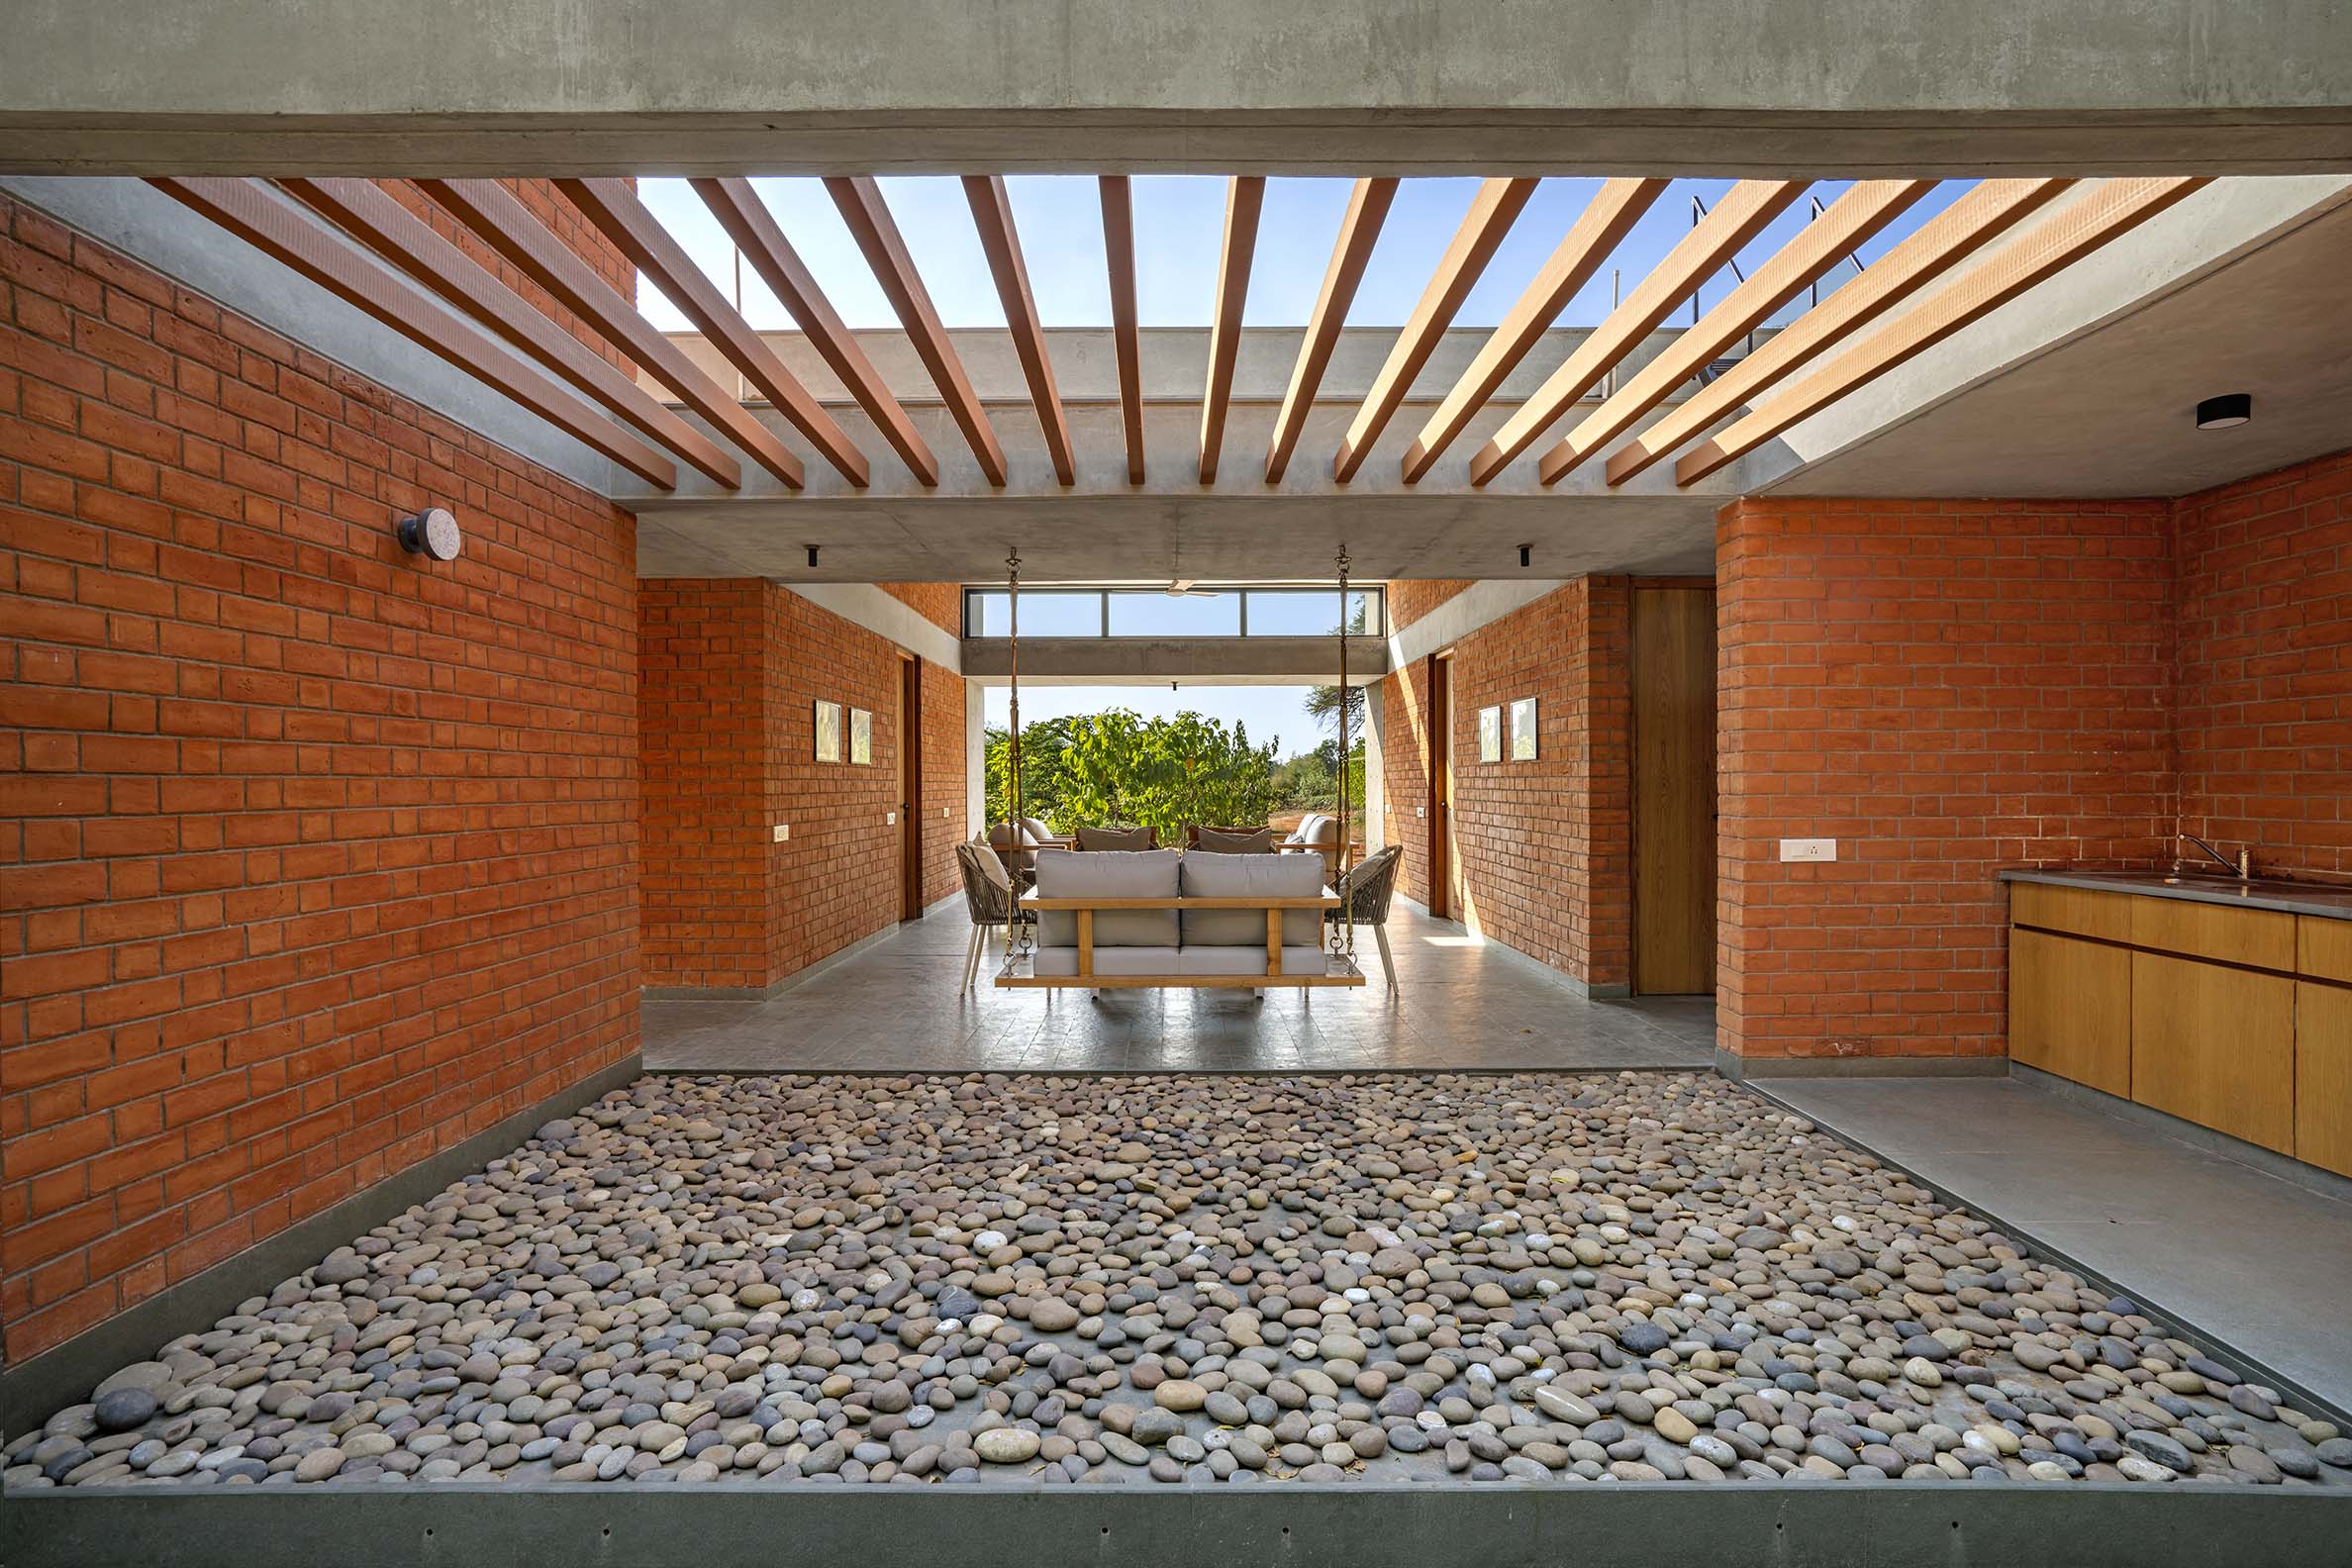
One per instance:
[(1412, 1280)]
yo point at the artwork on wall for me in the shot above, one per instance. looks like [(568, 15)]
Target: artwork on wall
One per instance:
[(829, 732), (1490, 735), (1522, 730), (861, 736)]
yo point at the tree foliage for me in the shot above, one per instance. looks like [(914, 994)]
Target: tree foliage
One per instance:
[(1119, 769)]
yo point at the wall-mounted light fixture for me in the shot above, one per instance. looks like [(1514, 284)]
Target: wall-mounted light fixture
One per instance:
[(2224, 412), (432, 532)]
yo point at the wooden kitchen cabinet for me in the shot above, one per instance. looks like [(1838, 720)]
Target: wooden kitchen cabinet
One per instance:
[(2070, 1008), (2215, 1046), (2323, 1075)]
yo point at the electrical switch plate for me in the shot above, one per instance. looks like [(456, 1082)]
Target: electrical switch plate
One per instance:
[(783, 832), (890, 818), (1809, 848), (1420, 811)]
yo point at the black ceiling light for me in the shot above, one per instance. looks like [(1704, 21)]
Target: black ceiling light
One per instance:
[(432, 532), (812, 549), (1525, 551), (2225, 411)]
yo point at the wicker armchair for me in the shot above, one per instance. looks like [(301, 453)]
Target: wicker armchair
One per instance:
[(1366, 891), (987, 898)]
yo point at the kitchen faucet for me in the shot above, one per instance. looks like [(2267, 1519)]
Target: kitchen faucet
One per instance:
[(2242, 868)]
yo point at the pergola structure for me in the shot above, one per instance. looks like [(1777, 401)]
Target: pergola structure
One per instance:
[(376, 251)]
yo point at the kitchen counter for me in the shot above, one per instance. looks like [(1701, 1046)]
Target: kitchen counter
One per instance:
[(2322, 900)]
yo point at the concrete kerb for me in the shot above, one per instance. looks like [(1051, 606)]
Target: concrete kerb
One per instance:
[(1508, 1525)]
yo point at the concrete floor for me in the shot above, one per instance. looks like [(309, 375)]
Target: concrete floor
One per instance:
[(2262, 1263), (1460, 1004)]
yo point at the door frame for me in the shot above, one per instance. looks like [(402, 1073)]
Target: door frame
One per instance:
[(1441, 784), (910, 762)]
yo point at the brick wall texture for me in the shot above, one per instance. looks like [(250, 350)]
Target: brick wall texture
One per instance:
[(734, 669), (1409, 601), (565, 220), (1541, 848), (1945, 688), (942, 604), (316, 859), (2263, 665)]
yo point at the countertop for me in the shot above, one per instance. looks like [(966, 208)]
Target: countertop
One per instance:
[(2291, 897)]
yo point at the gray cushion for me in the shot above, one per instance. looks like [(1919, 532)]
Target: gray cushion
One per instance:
[(1259, 841), (1250, 960), (1208, 875), (1113, 839), (1110, 960), (1110, 873)]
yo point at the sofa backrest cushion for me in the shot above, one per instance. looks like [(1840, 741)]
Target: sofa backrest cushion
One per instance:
[(1209, 875), (1110, 873), (1114, 837), (1247, 841)]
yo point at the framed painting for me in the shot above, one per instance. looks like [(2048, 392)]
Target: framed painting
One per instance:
[(1490, 735), (861, 736), (1522, 730), (829, 730)]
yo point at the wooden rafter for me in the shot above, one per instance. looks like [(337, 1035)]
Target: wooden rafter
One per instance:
[(1493, 209), (1597, 231), (863, 208), (1742, 212), (613, 206), (1867, 207), (1359, 231), (503, 222), (2048, 247), (992, 215), (1118, 252), (369, 214), (1923, 256), (295, 239), (756, 234), (1246, 198)]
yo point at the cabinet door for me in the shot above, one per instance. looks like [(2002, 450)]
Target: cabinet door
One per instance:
[(2216, 1046), (2324, 1076), (2070, 1008)]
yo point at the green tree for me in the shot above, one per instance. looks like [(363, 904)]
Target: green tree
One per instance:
[(1119, 769)]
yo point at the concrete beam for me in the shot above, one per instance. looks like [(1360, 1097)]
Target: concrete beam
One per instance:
[(1196, 661), (1720, 87), (887, 617)]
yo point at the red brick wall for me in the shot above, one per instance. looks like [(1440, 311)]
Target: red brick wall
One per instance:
[(734, 669), (315, 859), (1946, 688), (702, 908), (545, 203), (1543, 846), (942, 604), (2263, 582), (1408, 601)]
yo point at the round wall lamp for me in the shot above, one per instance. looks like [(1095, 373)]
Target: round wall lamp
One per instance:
[(2224, 412), (432, 532)]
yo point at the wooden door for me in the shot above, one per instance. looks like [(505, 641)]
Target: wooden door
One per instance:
[(1674, 790), (910, 791), (1441, 859)]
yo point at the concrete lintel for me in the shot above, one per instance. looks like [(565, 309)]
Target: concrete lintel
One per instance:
[(149, 226), (1487, 600), (1718, 87), (863, 604), (1197, 661), (61, 1376)]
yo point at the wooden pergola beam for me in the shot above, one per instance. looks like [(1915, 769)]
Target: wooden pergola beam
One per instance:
[(859, 200), (612, 205), (1359, 231), (2114, 207), (292, 237), (504, 224), (1245, 199), (755, 233), (1742, 214), (1118, 254), (992, 215), (1867, 207), (369, 214), (1597, 231), (1493, 211), (1937, 245)]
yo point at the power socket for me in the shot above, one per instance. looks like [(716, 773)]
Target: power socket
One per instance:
[(783, 832), (1796, 850)]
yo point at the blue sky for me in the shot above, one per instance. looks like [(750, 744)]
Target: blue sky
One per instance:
[(1269, 712), (1179, 225)]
